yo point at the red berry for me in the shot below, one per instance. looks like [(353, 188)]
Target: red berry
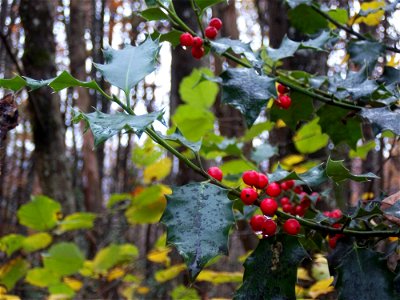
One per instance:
[(262, 181), (298, 189), (287, 185), (197, 52), (327, 214), (300, 210), (211, 32), (269, 227), (215, 22), (305, 201), (287, 208), (250, 177), (282, 89), (197, 42), (284, 101), (248, 196), (268, 206), (273, 189), (285, 200), (186, 39), (337, 213), (216, 173), (291, 226), (332, 242), (256, 222)]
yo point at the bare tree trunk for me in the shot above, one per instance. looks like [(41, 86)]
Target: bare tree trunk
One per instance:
[(77, 54), (48, 129)]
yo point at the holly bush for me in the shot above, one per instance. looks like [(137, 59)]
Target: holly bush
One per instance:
[(281, 203)]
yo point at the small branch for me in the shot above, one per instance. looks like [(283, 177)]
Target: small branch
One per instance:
[(11, 54)]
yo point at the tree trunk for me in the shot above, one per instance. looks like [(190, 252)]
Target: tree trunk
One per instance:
[(48, 129), (77, 54)]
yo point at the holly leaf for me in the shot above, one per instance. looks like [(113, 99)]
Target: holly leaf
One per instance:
[(306, 19), (281, 175), (383, 118), (15, 84), (125, 68), (198, 218), (335, 122), (294, 3), (247, 91), (271, 270), (104, 126), (180, 139), (153, 14), (204, 4), (365, 53), (315, 176), (338, 172), (362, 272)]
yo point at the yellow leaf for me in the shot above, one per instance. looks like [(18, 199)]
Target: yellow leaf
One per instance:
[(302, 274), (115, 274), (367, 196), (243, 257), (128, 292), (293, 159), (157, 171), (393, 238), (220, 277), (300, 292), (73, 283), (170, 273), (394, 61), (143, 290), (4, 296), (374, 17), (280, 124), (321, 287), (160, 256)]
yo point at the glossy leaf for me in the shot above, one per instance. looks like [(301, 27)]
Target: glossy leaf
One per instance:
[(12, 271), (180, 139), (365, 53), (383, 118), (153, 14), (15, 84), (307, 20), (294, 3), (271, 270), (247, 91), (40, 213), (309, 138), (222, 45), (338, 172), (104, 126), (203, 4), (125, 68), (79, 220), (64, 259), (362, 272), (198, 218)]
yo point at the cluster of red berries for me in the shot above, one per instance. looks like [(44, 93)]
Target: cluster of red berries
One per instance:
[(187, 40), (283, 101), (333, 238)]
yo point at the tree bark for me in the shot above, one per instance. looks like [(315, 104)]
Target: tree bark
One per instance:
[(77, 55), (44, 106)]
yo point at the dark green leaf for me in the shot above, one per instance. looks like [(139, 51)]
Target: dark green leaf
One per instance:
[(271, 270), (125, 68), (281, 175), (338, 172), (15, 84), (104, 126), (203, 4), (263, 152), (36, 84), (172, 37), (306, 19), (153, 14), (383, 118), (363, 273), (340, 127), (222, 45), (198, 219), (179, 138), (301, 110), (365, 53), (247, 91), (314, 177)]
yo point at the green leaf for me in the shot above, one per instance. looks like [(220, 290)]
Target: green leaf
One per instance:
[(204, 4), (237, 166), (12, 271), (147, 154), (301, 109), (15, 84), (35, 84), (314, 177), (271, 270), (66, 80), (194, 122), (364, 273), (64, 259), (363, 150), (294, 3), (42, 277), (281, 175), (180, 139), (11, 243), (339, 126), (257, 129), (196, 93), (125, 68), (104, 126), (147, 207), (80, 220), (198, 219), (116, 198), (61, 289), (220, 46), (182, 292), (306, 19), (338, 172), (40, 213), (150, 3), (172, 37), (340, 15), (36, 242), (113, 255), (383, 118), (153, 14), (247, 91), (309, 138), (365, 53), (263, 152)]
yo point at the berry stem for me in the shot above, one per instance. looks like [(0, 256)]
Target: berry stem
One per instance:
[(198, 17)]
